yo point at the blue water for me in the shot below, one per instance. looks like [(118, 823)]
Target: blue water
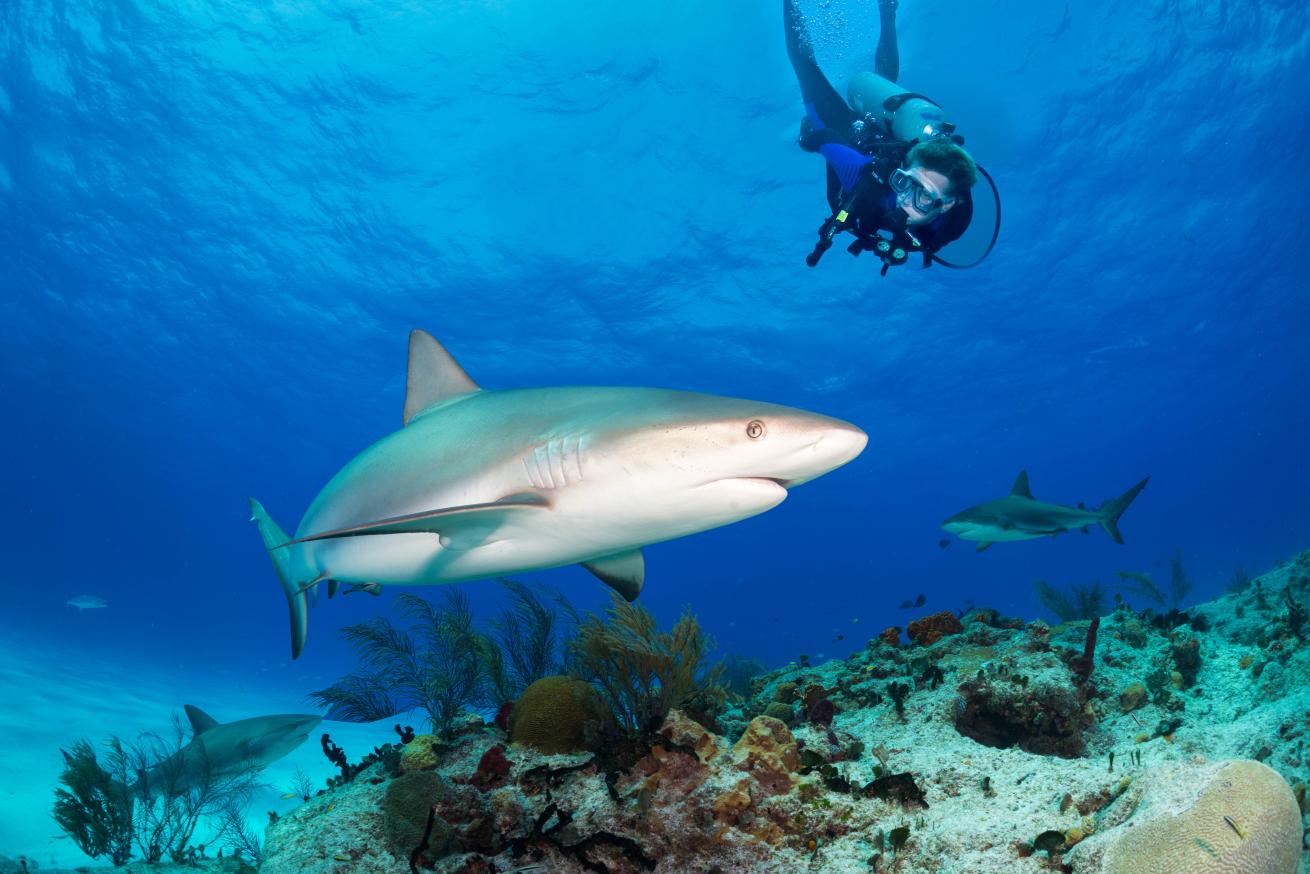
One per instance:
[(218, 222)]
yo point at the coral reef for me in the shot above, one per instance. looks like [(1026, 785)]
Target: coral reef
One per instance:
[(992, 748), (930, 629)]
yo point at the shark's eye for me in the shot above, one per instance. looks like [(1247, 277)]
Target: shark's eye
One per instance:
[(755, 429)]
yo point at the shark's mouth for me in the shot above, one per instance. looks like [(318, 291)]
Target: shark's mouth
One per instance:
[(777, 481)]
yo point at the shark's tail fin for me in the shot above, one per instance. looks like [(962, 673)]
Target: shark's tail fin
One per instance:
[(297, 599), (1112, 510)]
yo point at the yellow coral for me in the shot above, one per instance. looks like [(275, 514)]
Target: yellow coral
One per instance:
[(553, 714), (768, 750), (1245, 821), (420, 754)]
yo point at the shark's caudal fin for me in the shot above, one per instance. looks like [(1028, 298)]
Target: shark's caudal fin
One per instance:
[(1112, 510), (297, 599)]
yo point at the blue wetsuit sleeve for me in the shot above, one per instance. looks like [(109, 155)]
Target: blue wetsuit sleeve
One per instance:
[(846, 162)]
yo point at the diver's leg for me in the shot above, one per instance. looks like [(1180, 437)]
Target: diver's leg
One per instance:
[(887, 59), (823, 104)]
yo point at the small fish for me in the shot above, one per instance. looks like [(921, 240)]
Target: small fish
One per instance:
[(906, 605), (290, 795), (839, 637), (328, 809), (87, 602), (855, 621), (943, 543), (374, 589), (342, 857)]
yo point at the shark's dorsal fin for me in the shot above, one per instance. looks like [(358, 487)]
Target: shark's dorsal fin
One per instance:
[(432, 375), (1021, 489), (201, 721), (624, 573)]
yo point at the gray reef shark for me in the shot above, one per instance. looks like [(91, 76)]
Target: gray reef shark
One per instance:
[(219, 750), (87, 602), (1018, 516), (482, 484)]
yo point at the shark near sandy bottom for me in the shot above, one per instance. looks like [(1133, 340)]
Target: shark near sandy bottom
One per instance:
[(225, 749), (1019, 516), (480, 484)]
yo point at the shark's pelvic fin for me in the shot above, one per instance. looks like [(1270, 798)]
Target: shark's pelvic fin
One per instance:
[(274, 537), (983, 545), (625, 572), (1021, 489), (1112, 510), (449, 522), (201, 721), (433, 374)]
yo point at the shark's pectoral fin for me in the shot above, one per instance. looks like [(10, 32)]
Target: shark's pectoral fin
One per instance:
[(624, 573), (201, 721), (983, 545), (452, 523)]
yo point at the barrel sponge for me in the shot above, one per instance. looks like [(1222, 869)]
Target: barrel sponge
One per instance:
[(553, 715), (1263, 837)]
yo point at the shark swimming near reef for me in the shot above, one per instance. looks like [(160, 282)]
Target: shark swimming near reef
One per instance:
[(224, 749), (482, 483), (1019, 516)]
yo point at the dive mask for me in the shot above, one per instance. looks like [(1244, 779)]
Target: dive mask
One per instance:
[(910, 190)]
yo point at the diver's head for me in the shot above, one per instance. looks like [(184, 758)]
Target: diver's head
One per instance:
[(936, 175)]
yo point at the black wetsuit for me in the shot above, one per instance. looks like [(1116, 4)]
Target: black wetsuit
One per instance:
[(852, 148)]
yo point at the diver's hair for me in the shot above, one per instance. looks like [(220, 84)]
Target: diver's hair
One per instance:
[(947, 159)]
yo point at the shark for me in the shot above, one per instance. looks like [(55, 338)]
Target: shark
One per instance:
[(483, 483), (1020, 516), (87, 602), (225, 749)]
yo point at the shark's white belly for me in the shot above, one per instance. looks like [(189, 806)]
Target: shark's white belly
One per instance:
[(582, 522)]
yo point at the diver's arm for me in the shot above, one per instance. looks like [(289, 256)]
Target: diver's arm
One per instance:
[(887, 59)]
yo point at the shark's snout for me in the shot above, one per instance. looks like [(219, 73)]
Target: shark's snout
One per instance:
[(829, 448)]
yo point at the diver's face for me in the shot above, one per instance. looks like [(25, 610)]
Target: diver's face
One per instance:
[(935, 185)]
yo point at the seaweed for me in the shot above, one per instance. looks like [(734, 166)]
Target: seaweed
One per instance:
[(643, 672), (93, 805), (532, 637), (440, 665), (1080, 601), (1296, 614)]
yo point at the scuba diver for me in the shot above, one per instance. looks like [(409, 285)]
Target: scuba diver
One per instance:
[(894, 164)]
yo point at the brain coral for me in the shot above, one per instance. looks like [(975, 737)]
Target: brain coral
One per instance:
[(1263, 837), (553, 714)]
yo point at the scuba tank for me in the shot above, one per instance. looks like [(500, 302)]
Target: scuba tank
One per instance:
[(899, 114)]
